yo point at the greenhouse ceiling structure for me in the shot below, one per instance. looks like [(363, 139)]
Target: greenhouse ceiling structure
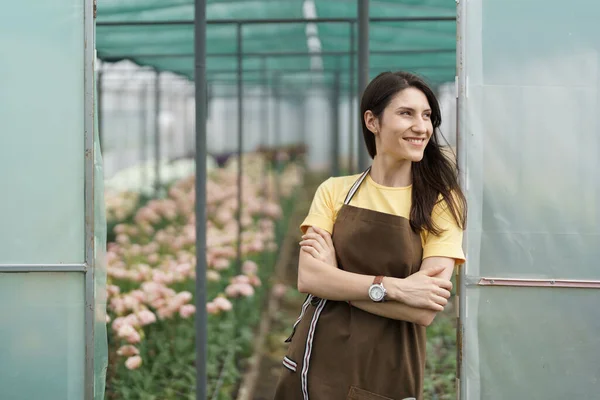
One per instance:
[(294, 38)]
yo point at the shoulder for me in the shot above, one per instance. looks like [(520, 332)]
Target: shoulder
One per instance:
[(338, 185)]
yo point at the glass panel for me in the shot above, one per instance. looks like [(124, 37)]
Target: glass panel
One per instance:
[(532, 343), (42, 336), (533, 139), (41, 120)]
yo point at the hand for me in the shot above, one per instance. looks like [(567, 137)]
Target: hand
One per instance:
[(317, 242), (423, 290)]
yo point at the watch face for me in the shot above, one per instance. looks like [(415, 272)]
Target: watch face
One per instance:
[(376, 293)]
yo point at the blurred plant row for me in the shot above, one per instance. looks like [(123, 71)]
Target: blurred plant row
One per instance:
[(151, 260)]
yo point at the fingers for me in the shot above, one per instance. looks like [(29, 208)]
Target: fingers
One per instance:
[(443, 293), (440, 300), (325, 235), (310, 250), (435, 306), (316, 237), (443, 283), (314, 244)]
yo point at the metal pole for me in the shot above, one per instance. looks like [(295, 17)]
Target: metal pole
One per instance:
[(352, 125), (340, 53), (363, 69), (201, 102), (100, 109), (265, 120), (240, 138), (335, 127), (461, 145), (143, 134), (277, 138), (157, 133), (270, 21)]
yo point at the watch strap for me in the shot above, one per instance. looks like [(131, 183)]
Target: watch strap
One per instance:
[(378, 280)]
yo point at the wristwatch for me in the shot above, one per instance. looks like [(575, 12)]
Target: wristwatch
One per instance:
[(376, 291)]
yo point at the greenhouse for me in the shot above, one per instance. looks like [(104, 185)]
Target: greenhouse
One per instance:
[(159, 163)]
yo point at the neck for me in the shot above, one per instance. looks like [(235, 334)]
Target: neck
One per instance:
[(393, 173)]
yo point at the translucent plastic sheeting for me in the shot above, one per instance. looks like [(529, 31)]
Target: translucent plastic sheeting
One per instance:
[(533, 139), (42, 336), (100, 293), (115, 42), (532, 343), (42, 179)]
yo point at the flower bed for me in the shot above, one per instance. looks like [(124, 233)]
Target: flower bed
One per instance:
[(151, 273)]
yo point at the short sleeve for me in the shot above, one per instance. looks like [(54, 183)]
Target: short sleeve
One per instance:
[(322, 212), (449, 242)]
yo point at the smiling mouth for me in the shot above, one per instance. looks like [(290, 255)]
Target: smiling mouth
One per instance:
[(415, 141)]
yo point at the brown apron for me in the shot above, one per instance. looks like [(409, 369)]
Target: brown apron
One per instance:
[(340, 352)]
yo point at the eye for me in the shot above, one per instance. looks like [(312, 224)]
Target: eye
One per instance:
[(427, 116), (405, 112)]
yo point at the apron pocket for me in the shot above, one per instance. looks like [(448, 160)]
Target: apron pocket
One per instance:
[(361, 394), (289, 364)]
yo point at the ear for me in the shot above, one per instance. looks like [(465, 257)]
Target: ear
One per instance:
[(371, 122)]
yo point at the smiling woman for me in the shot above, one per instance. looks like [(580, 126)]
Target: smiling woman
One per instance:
[(378, 252)]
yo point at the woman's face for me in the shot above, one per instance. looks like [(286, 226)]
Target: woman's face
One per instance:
[(404, 128)]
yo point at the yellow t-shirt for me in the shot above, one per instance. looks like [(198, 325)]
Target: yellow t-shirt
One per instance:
[(331, 194)]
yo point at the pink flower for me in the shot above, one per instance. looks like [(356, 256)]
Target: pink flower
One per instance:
[(222, 303), (212, 275), (120, 228), (139, 295), (118, 305), (240, 279), (132, 320), (249, 267), (246, 290), (184, 268), (187, 310), (165, 312), (221, 264), (212, 308), (279, 290), (255, 281), (128, 351), (112, 290), (118, 323), (133, 362), (128, 333), (146, 317), (232, 290), (122, 238)]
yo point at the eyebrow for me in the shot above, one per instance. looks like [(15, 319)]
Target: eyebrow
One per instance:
[(411, 109)]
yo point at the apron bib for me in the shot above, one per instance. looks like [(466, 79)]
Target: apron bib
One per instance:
[(339, 352)]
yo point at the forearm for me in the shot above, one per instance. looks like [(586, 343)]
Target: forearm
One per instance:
[(398, 311), (331, 283)]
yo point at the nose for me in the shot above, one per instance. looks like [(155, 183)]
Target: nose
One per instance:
[(420, 126)]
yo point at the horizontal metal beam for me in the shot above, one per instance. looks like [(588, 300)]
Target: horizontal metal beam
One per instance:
[(43, 268), (118, 57), (287, 70), (552, 283), (273, 21)]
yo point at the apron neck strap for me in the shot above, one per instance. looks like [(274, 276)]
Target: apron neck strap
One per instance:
[(356, 185)]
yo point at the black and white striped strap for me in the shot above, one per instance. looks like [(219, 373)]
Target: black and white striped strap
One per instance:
[(289, 364), (356, 185)]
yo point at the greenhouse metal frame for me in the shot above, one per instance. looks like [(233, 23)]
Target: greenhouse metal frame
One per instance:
[(355, 87)]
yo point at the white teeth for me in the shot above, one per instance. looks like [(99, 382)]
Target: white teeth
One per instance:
[(418, 141)]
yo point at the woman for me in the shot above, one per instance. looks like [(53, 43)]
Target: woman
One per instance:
[(378, 252)]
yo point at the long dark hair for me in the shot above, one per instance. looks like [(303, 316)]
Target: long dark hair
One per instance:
[(435, 177)]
